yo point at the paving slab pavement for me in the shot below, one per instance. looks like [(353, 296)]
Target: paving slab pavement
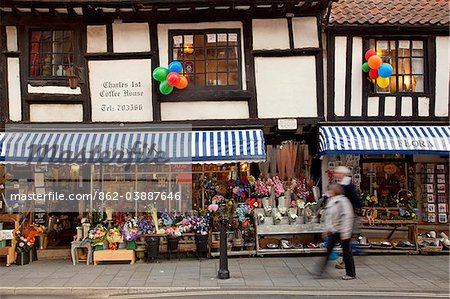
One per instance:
[(425, 274)]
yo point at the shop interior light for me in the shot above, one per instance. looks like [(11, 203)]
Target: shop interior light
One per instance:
[(188, 49)]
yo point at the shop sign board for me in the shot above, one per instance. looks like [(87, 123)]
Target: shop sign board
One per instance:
[(287, 124), (121, 90)]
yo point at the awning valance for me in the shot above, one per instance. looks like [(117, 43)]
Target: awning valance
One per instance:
[(433, 140), (134, 147)]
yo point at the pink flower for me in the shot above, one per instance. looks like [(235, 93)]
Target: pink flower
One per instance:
[(21, 244), (213, 208), (29, 244)]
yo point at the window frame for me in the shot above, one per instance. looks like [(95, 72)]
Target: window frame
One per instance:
[(51, 80), (239, 86), (371, 91)]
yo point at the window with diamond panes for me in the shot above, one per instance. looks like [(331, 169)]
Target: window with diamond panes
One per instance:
[(210, 59), (407, 58)]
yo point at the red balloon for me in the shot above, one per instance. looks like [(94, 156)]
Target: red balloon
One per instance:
[(369, 54), (173, 79), (373, 73)]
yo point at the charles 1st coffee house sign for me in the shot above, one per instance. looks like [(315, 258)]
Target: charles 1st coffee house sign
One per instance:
[(121, 90)]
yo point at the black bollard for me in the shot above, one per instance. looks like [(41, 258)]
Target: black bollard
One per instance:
[(223, 272)]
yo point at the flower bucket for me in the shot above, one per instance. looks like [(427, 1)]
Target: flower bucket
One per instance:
[(23, 258), (201, 241), (98, 247), (131, 245), (172, 243), (152, 247), (33, 254), (122, 245)]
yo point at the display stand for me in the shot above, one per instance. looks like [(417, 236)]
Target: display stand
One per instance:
[(392, 226), (10, 251), (284, 230)]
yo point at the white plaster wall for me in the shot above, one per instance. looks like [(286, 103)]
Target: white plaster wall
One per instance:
[(53, 90), (131, 37), (163, 40), (96, 39), (407, 109), (340, 46), (56, 113), (110, 85), (424, 106), (14, 91), (390, 104), (270, 34), (372, 106), (442, 75), (357, 77), (204, 110), (292, 93), (11, 38), (305, 32)]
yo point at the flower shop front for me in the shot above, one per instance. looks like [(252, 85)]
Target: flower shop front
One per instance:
[(401, 173), (131, 201)]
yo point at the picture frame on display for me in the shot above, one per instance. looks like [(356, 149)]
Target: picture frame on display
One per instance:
[(443, 218)]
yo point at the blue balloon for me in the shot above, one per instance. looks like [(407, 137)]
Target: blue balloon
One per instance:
[(385, 70), (176, 67)]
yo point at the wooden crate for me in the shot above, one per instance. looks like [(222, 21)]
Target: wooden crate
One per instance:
[(114, 255)]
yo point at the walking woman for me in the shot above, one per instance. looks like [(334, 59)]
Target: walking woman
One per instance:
[(339, 218)]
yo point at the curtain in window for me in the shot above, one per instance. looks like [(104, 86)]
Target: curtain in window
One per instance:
[(35, 47)]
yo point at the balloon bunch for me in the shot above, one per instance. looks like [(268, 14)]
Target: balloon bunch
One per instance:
[(377, 69), (170, 78)]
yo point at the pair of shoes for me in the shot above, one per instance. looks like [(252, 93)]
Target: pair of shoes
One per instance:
[(348, 277), (340, 265)]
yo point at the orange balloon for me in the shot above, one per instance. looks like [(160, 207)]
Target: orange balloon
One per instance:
[(375, 62), (183, 82)]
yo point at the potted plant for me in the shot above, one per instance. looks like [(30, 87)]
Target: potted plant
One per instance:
[(97, 237), (114, 237), (130, 233), (23, 249), (200, 225), (173, 238)]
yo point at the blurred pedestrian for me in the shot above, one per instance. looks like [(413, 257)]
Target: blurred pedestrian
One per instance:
[(343, 177), (339, 218)]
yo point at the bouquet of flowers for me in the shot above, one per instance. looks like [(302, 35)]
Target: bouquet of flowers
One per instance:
[(114, 235), (97, 235), (130, 230), (24, 243), (253, 203), (370, 200), (145, 226), (278, 186), (261, 189), (200, 224), (242, 211), (238, 189), (210, 186), (173, 232), (185, 224)]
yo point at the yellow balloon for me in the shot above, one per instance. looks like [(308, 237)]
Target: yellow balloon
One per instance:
[(382, 82)]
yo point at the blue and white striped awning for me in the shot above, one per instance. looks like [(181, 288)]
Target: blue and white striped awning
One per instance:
[(133, 147), (433, 140)]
